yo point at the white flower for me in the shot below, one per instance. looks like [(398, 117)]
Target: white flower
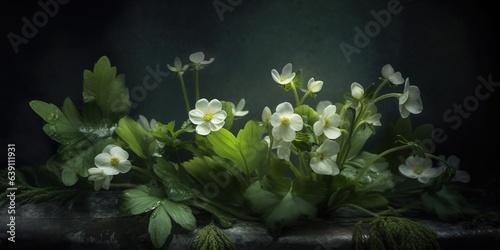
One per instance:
[(374, 119), (322, 105), (357, 91), (283, 147), (199, 61), (410, 101), (143, 121), (238, 110), (420, 168), (394, 77), (208, 116), (113, 160), (100, 179), (314, 86), (178, 66), (460, 175), (322, 161), (266, 115), (328, 123), (286, 75), (285, 122)]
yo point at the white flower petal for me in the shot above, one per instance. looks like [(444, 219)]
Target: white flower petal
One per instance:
[(287, 70), (266, 114), (197, 57), (102, 160), (332, 132), (396, 78), (214, 106), (276, 76), (322, 105), (119, 152), (196, 116), (124, 166), (357, 91), (109, 170), (203, 128), (387, 70)]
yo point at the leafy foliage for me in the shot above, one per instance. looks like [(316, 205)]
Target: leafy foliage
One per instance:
[(212, 237), (394, 233)]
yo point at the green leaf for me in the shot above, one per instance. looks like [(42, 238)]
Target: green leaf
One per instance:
[(310, 115), (216, 179), (278, 211), (181, 214), (73, 161), (358, 141), (137, 138), (71, 113), (59, 127), (106, 89), (448, 204), (160, 226), (247, 150), (141, 199), (212, 237), (175, 180)]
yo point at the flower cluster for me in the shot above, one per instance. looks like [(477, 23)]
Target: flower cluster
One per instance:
[(295, 162)]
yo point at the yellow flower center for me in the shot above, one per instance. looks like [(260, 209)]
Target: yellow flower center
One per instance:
[(207, 117), (418, 170), (285, 121), (114, 161), (327, 123)]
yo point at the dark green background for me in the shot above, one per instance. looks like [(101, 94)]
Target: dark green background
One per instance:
[(442, 46)]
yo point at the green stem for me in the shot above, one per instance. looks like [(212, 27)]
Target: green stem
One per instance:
[(197, 82), (384, 82), (184, 92), (144, 172), (295, 94), (361, 209), (302, 162), (397, 95), (374, 159), (229, 211), (122, 185), (304, 98)]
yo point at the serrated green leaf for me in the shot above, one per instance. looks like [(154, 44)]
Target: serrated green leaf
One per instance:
[(245, 150), (71, 113), (141, 199), (181, 214), (59, 127), (216, 179), (175, 180), (106, 89), (48, 111), (137, 138), (73, 161), (278, 211), (210, 238), (160, 226)]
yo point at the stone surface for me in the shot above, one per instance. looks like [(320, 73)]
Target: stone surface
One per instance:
[(93, 221)]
